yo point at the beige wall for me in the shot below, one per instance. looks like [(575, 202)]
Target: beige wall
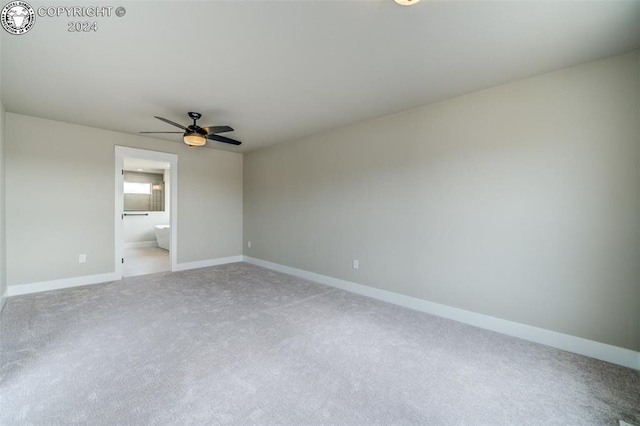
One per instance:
[(520, 202), (60, 199)]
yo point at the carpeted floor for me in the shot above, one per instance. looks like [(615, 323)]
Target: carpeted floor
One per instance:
[(238, 344)]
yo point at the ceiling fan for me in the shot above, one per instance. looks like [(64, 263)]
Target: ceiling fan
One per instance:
[(195, 135)]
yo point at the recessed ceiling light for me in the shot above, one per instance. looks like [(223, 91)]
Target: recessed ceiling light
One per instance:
[(139, 170), (406, 2)]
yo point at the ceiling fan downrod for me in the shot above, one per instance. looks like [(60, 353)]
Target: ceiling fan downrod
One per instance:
[(195, 116)]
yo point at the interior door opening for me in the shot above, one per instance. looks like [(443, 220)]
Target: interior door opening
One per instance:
[(146, 187)]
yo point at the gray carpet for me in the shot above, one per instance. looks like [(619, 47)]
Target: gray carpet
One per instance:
[(238, 344)]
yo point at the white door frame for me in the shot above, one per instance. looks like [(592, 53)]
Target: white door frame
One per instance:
[(120, 153)]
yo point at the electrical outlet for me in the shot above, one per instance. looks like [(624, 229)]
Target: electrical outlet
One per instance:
[(356, 264), (249, 244), (82, 258)]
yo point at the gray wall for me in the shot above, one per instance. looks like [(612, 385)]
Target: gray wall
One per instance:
[(3, 274), (520, 202), (60, 195)]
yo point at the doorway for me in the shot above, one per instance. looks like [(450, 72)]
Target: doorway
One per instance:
[(146, 205)]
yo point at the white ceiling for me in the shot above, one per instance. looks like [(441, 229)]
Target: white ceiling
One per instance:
[(280, 70)]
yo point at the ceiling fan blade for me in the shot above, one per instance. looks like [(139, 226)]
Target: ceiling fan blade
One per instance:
[(170, 122), (217, 129), (161, 132), (223, 139)]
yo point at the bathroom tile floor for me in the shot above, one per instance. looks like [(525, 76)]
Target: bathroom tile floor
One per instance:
[(145, 260)]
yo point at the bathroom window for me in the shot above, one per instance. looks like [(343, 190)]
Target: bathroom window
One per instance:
[(137, 188), (143, 191)]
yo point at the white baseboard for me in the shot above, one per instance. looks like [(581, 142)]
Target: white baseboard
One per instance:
[(207, 263), (590, 348), (137, 244), (19, 289)]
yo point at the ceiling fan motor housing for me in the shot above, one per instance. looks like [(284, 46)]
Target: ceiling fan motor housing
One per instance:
[(194, 128)]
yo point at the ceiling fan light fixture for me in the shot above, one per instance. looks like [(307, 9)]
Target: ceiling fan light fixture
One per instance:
[(195, 135), (194, 139), (406, 2)]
